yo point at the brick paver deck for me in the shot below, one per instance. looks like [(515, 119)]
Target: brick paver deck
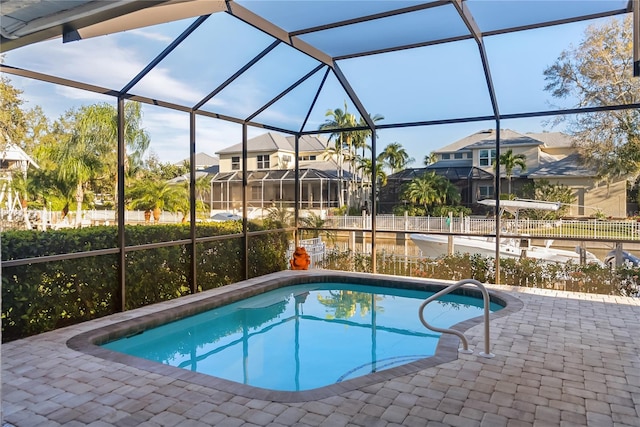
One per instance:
[(564, 359)]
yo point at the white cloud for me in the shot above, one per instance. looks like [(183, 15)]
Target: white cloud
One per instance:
[(169, 132), (160, 83), (151, 35)]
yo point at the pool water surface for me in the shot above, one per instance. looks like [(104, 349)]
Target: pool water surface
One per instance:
[(304, 336)]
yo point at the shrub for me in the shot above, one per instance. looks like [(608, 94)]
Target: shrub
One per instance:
[(44, 296)]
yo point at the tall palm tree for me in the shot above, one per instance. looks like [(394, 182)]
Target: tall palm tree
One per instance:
[(510, 161), (80, 156), (350, 141), (336, 151), (366, 167), (343, 140), (395, 156), (360, 139), (430, 158)]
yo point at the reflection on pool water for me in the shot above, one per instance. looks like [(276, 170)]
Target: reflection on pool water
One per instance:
[(303, 337)]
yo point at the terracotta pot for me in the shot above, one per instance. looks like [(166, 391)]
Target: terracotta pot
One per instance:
[(156, 215)]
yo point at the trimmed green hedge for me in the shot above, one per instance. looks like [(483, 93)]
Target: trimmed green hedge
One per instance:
[(45, 296)]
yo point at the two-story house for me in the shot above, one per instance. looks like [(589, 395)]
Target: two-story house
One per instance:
[(271, 174), (469, 164)]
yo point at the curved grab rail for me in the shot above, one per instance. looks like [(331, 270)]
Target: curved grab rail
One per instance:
[(463, 339)]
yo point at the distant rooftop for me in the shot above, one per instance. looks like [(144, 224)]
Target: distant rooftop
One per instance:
[(270, 142)]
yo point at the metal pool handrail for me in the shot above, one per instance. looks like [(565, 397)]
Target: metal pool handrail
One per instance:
[(465, 345)]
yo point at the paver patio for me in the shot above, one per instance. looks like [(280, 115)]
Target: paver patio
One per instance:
[(564, 359)]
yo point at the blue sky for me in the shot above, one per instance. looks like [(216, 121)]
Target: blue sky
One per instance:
[(436, 82)]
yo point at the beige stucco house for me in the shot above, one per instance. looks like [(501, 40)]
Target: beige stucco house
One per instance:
[(551, 156)]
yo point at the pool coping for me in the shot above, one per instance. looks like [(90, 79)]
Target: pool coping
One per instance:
[(447, 349)]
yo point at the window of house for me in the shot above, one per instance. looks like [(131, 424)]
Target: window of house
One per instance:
[(469, 155), (256, 194), (457, 155), (235, 163), (311, 157), (263, 161), (446, 156), (485, 191), (487, 157)]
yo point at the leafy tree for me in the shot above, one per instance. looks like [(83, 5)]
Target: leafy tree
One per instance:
[(599, 72), (153, 168), (12, 117), (543, 190), (509, 162), (395, 157)]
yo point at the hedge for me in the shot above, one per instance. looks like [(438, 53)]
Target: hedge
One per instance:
[(526, 272), (45, 296)]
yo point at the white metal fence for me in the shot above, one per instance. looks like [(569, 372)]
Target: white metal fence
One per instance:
[(588, 228), (577, 229), (315, 249)]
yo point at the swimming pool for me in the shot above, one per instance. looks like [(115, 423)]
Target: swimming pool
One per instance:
[(303, 337), (279, 324)]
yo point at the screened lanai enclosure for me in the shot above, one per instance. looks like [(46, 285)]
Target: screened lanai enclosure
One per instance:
[(176, 78)]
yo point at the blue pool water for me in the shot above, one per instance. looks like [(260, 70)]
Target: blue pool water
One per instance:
[(303, 337)]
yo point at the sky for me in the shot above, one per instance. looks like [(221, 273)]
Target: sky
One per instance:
[(433, 83)]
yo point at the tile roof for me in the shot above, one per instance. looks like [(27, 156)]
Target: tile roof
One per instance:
[(269, 142), (202, 159), (486, 137), (553, 139), (567, 167)]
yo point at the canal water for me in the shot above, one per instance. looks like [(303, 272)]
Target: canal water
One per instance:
[(402, 244)]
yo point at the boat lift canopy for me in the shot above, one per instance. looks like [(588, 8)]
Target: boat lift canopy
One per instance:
[(513, 206)]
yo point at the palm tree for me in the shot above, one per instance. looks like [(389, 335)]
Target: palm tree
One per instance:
[(156, 196), (365, 166), (347, 142), (360, 142), (430, 158), (336, 151), (395, 156), (422, 190), (343, 140), (80, 156), (510, 161), (429, 189), (448, 193)]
